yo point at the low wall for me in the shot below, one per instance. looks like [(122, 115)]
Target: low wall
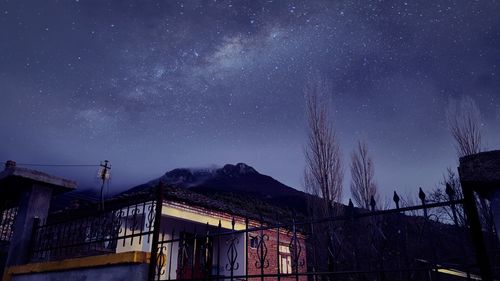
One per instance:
[(122, 266)]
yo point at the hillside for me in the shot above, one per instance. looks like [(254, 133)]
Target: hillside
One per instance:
[(237, 184)]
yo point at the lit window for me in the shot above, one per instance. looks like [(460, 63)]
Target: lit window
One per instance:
[(284, 249), (285, 260)]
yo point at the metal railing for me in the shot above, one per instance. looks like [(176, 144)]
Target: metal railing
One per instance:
[(421, 242), (117, 229), (7, 218), (427, 241)]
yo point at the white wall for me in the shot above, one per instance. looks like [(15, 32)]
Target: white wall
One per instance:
[(138, 243), (224, 260), (174, 225)]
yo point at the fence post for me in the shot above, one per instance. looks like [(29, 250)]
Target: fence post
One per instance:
[(219, 230), (246, 248), (479, 173), (421, 195), (477, 234), (396, 199), (451, 196), (156, 233)]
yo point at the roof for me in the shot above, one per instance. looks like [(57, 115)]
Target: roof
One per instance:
[(13, 178), (480, 171), (215, 202), (227, 203)]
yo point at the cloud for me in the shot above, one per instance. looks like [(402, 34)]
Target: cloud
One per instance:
[(95, 121), (229, 55)]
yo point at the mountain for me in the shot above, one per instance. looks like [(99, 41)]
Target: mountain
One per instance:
[(238, 184), (239, 178), (187, 178)]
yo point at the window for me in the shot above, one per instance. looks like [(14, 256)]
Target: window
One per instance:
[(285, 260), (254, 242), (7, 218)]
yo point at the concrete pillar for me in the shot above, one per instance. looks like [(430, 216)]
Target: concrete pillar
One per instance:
[(480, 173), (495, 209), (33, 191), (33, 203)]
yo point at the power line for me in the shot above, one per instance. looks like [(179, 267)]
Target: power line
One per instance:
[(56, 165)]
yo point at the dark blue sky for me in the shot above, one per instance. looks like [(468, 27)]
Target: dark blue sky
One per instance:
[(155, 85)]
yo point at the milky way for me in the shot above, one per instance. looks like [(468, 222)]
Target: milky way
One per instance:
[(155, 85)]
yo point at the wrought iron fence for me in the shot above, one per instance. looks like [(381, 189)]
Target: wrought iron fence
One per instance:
[(8, 213), (422, 242), (7, 218), (427, 241), (121, 227)]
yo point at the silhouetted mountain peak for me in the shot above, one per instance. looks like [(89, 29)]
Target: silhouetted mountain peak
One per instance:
[(236, 170), (238, 181), (184, 177)]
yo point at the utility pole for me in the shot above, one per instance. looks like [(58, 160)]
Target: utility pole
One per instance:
[(104, 175)]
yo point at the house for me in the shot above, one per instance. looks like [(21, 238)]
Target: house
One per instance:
[(196, 237), (201, 237)]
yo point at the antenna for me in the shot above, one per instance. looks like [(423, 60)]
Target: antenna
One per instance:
[(104, 175)]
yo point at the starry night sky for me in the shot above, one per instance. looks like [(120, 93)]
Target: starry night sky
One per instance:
[(156, 85)]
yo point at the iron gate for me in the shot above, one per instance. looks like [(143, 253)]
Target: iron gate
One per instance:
[(427, 241)]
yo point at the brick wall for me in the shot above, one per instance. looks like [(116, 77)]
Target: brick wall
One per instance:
[(272, 256)]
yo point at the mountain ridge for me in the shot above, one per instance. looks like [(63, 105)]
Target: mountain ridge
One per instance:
[(234, 182)]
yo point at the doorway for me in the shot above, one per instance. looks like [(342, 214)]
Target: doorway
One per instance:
[(194, 257)]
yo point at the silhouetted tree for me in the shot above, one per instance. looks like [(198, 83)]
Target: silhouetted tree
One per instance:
[(323, 173), (363, 186), (451, 189), (464, 122)]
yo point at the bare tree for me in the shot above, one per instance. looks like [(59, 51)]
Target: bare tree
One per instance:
[(323, 174), (451, 191), (464, 122), (363, 186)]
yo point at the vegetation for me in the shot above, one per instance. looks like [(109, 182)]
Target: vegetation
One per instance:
[(323, 174), (363, 187), (465, 124)]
